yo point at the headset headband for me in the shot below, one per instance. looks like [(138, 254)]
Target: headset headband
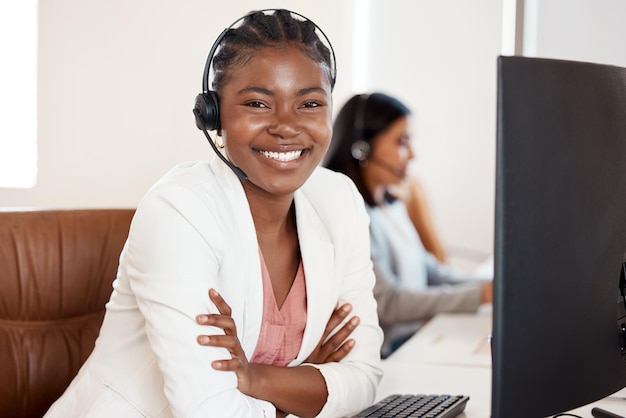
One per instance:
[(220, 38)]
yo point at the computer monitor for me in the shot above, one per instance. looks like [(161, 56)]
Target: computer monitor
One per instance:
[(560, 236)]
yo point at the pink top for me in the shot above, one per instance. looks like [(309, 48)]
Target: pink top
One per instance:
[(281, 329)]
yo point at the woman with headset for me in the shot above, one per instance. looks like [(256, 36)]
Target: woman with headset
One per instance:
[(245, 285), (371, 144)]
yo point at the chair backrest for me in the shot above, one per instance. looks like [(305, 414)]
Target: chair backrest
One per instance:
[(56, 271)]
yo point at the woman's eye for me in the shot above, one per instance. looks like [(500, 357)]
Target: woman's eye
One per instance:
[(311, 104), (255, 104), (405, 140)]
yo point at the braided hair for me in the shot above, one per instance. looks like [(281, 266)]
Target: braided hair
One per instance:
[(260, 30)]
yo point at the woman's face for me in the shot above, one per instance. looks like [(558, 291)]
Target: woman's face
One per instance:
[(390, 155), (276, 118)]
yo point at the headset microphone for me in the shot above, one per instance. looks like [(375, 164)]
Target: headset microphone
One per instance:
[(362, 152), (387, 167), (238, 171)]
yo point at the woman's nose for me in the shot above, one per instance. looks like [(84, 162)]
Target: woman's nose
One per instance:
[(285, 124), (411, 153)]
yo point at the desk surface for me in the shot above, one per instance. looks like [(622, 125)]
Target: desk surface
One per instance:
[(475, 382), (451, 354), (450, 339)]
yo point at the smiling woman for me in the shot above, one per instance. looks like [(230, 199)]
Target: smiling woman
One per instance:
[(245, 286)]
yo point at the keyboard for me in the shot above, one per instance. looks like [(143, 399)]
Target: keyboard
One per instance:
[(416, 406)]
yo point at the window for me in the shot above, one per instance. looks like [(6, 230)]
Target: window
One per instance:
[(18, 101)]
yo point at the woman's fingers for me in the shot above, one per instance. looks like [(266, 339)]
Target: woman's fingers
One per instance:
[(222, 320), (216, 320), (229, 340), (341, 352), (231, 365), (339, 314), (226, 341), (219, 302), (337, 346), (339, 338)]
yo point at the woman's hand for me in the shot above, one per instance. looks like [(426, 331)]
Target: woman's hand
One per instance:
[(333, 350), (238, 362), (486, 293), (338, 346)]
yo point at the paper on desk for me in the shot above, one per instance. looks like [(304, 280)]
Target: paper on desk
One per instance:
[(450, 339)]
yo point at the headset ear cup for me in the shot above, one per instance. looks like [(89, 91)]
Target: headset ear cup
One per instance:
[(360, 150), (207, 111)]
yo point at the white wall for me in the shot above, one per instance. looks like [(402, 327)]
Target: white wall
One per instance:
[(117, 82), (117, 79), (440, 59), (579, 30)]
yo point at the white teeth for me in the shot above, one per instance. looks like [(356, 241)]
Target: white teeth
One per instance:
[(282, 156)]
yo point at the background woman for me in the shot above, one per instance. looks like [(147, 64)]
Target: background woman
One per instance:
[(372, 145)]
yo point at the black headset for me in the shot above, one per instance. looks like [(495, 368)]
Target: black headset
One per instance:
[(206, 107), (361, 149)]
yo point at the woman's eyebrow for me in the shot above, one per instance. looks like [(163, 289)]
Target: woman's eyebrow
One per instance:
[(308, 90), (268, 92), (253, 89)]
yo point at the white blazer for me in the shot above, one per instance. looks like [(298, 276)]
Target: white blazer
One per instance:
[(192, 231)]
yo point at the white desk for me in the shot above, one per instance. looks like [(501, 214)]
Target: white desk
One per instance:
[(451, 355), (450, 339), (475, 382)]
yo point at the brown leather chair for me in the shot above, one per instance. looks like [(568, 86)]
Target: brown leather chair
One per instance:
[(56, 271)]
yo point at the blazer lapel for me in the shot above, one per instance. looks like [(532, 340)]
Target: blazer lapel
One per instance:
[(317, 252)]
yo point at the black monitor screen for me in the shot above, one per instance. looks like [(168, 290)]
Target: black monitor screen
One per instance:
[(560, 236)]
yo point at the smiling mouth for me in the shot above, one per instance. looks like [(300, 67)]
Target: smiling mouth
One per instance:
[(282, 156)]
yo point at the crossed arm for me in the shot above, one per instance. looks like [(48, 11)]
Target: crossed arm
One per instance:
[(297, 390)]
